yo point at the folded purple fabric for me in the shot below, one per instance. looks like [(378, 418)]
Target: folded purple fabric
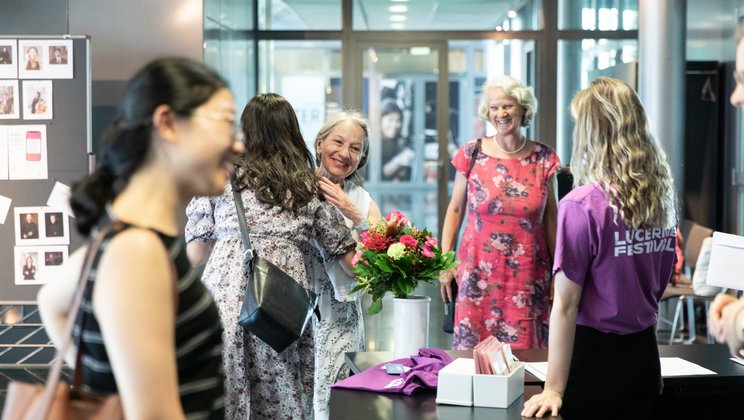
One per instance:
[(424, 374)]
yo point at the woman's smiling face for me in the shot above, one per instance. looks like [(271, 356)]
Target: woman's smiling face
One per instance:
[(341, 150)]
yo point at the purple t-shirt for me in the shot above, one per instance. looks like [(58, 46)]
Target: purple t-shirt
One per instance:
[(623, 272)]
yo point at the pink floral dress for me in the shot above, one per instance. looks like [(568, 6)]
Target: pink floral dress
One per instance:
[(504, 271)]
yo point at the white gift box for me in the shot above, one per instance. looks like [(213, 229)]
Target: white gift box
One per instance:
[(455, 385), (498, 391), (459, 385)]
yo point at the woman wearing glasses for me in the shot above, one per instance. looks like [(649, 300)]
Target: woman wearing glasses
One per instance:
[(160, 352)]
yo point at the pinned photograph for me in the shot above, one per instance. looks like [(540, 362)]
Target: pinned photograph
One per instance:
[(31, 64), (9, 108), (41, 226), (58, 59), (56, 226), (37, 98), (35, 265), (27, 151), (8, 59)]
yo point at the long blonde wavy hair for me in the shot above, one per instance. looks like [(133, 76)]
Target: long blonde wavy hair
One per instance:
[(613, 146)]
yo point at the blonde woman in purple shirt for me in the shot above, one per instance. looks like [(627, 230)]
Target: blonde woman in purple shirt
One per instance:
[(613, 259)]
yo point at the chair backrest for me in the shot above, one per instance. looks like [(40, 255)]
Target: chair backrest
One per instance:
[(693, 243)]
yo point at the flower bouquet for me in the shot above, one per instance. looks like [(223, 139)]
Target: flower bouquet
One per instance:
[(394, 256)]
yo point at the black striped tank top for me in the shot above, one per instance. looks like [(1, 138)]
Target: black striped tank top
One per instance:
[(198, 339)]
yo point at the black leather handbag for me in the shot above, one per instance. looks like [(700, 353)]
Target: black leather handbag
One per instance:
[(276, 308), (448, 323)]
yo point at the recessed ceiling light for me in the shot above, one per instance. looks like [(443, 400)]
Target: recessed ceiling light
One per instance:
[(397, 25), (399, 1), (398, 8), (511, 14), (498, 28), (398, 18)]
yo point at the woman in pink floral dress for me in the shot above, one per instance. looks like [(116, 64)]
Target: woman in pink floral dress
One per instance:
[(504, 272)]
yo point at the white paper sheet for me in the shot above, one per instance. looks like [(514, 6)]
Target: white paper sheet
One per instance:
[(670, 366), (3, 152), (36, 265), (538, 369), (726, 261), (27, 152), (60, 197), (8, 59), (9, 102), (38, 100), (4, 208), (676, 366), (739, 361)]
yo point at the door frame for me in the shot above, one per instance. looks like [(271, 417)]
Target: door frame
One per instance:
[(353, 71)]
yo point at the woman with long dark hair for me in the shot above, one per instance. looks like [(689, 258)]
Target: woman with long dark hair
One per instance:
[(281, 196), (150, 329)]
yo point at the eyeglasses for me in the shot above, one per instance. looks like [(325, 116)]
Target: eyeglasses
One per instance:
[(236, 132), (739, 77)]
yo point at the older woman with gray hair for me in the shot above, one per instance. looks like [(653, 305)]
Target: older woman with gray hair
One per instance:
[(341, 150), (504, 272)]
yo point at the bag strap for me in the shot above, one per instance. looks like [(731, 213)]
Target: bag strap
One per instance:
[(244, 232), (473, 158), (248, 252), (54, 373)]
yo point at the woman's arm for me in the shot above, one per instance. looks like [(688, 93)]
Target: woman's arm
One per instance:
[(550, 218), (55, 298), (560, 343), (198, 252), (373, 215), (134, 303), (452, 220)]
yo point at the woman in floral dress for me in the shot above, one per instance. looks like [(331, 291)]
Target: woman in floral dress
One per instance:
[(504, 272), (290, 227)]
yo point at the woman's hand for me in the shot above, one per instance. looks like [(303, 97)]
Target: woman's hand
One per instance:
[(445, 284), (715, 316), (336, 196), (543, 403), (732, 319)]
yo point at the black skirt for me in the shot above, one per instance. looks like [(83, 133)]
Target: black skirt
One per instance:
[(612, 376)]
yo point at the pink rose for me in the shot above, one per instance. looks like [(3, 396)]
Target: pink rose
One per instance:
[(427, 252), (409, 241), (396, 218), (430, 242), (355, 260)]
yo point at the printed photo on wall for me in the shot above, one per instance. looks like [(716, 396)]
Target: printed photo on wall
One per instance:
[(9, 108), (59, 59), (41, 226), (38, 264), (38, 100), (27, 151), (31, 64), (8, 59)]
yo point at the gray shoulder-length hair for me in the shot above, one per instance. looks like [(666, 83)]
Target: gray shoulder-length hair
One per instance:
[(523, 95), (343, 116)]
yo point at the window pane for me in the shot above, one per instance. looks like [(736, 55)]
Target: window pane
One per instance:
[(602, 15), (228, 15), (580, 62), (308, 74), (233, 59), (432, 15), (299, 15)]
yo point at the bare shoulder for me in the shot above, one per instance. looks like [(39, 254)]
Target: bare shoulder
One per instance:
[(133, 251)]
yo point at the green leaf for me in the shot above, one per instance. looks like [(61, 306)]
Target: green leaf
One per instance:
[(375, 307)]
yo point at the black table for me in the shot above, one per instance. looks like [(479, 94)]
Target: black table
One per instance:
[(684, 397)]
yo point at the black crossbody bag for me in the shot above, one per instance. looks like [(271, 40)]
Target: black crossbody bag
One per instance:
[(276, 308), (448, 323)]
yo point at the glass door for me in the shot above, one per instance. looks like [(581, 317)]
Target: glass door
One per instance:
[(401, 93)]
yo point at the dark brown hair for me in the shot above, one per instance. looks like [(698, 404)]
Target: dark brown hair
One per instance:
[(276, 166)]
